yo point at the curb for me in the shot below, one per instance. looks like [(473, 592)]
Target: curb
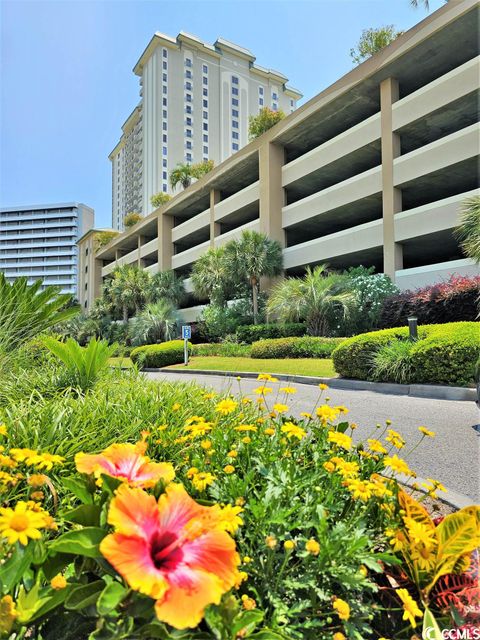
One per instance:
[(453, 498), (432, 391)]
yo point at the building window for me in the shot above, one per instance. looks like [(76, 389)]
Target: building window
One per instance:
[(292, 103), (188, 133), (188, 74), (164, 187), (188, 62), (165, 54), (260, 102), (188, 109), (205, 68), (188, 121), (260, 90), (205, 115), (274, 106), (164, 126), (188, 157), (235, 124), (188, 86), (205, 80), (235, 102), (235, 135), (164, 113), (164, 175), (234, 80), (164, 164), (188, 144), (164, 89), (164, 151), (205, 137), (274, 96), (205, 104), (205, 150), (235, 113), (188, 97), (205, 126), (234, 146), (164, 102), (164, 138), (234, 91), (164, 65), (164, 76), (205, 92)]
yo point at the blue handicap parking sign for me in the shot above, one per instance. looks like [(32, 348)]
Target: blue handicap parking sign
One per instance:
[(186, 332)]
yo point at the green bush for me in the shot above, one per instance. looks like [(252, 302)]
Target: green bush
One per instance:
[(393, 362), (226, 349), (252, 332), (159, 355), (443, 354), (307, 347)]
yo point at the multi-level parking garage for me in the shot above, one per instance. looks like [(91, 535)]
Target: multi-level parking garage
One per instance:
[(371, 171)]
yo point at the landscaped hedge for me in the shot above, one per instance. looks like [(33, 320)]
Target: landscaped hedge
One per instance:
[(252, 332), (307, 347), (451, 301), (225, 349), (159, 355), (444, 353)]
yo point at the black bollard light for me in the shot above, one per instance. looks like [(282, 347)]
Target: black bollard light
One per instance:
[(412, 327)]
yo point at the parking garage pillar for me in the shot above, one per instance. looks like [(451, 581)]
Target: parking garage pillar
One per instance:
[(391, 196), (165, 244), (215, 196), (271, 159)]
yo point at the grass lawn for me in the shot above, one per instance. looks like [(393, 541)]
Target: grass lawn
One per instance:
[(120, 362), (322, 368)]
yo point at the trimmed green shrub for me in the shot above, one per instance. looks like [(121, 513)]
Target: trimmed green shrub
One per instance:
[(252, 332), (307, 347), (225, 349), (443, 354), (393, 362), (159, 355)]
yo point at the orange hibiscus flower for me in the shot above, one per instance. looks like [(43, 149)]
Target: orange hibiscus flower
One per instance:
[(125, 462), (175, 551)]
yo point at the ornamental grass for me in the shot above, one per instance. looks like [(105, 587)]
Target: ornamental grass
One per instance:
[(157, 510)]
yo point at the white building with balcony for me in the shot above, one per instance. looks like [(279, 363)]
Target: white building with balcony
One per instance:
[(40, 242)]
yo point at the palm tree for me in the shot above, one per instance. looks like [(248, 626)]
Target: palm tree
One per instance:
[(210, 277), (182, 174), (252, 257), (468, 232), (156, 323), (165, 284), (26, 310), (127, 290), (318, 298)]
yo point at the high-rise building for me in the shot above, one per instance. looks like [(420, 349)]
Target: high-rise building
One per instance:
[(39, 241), (196, 99)]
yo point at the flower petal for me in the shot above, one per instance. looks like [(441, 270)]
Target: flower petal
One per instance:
[(133, 512), (176, 508), (213, 552), (190, 592), (130, 556)]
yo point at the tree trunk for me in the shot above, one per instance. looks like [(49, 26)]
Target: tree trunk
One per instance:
[(125, 314), (254, 300)]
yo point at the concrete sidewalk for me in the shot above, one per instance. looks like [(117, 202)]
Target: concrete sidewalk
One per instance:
[(452, 457)]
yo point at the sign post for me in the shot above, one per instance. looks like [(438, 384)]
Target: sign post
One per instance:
[(186, 335)]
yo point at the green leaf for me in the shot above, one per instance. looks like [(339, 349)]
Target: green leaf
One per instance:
[(55, 562), (110, 484), (87, 515), (12, 571), (248, 621), (83, 542), (39, 606), (79, 489), (431, 630), (85, 595), (267, 634), (110, 597)]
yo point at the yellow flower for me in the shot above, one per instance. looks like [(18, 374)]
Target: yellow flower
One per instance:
[(58, 582), (397, 464), (313, 547), (347, 469), (293, 431), (246, 560), (323, 386), (342, 409), (240, 502), (241, 577), (306, 415), (280, 408), (397, 539), (376, 445), (248, 603), (246, 427), (426, 432), (410, 607), (246, 440), (202, 480), (264, 376), (363, 570), (6, 461), (326, 413), (192, 472), (7, 479), (3, 430), (263, 390), (340, 439), (21, 523), (198, 428), (271, 542), (420, 533), (162, 427), (269, 431), (45, 460), (339, 636), (226, 406), (229, 469), (395, 439), (425, 557), (230, 519), (360, 490), (341, 608), (20, 455), (232, 453), (288, 390), (329, 466), (206, 444), (176, 406), (37, 495), (8, 614), (289, 545)]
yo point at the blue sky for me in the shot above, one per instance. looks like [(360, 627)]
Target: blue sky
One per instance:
[(67, 83)]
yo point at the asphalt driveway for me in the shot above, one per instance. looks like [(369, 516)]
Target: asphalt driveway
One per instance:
[(452, 457)]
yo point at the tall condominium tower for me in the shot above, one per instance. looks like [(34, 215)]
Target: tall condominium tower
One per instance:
[(196, 99), (40, 242)]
